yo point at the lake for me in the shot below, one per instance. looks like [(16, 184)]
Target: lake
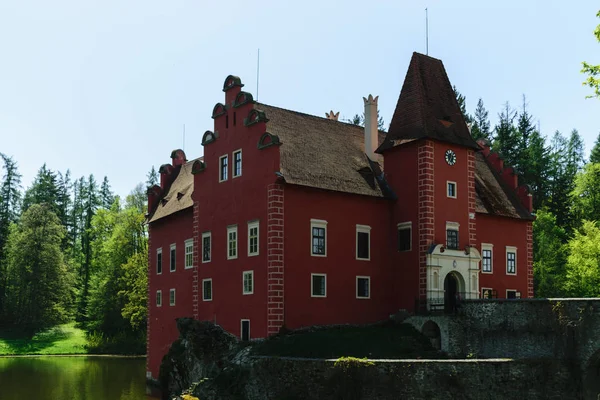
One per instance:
[(66, 378)]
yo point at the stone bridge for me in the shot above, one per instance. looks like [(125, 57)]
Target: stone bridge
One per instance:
[(566, 330)]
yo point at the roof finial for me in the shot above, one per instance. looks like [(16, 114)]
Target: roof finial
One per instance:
[(333, 116)]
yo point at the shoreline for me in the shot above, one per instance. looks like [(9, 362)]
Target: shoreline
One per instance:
[(71, 355)]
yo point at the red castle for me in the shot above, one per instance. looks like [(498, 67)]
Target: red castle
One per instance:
[(295, 220)]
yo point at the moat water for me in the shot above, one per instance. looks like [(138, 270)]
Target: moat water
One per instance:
[(73, 378)]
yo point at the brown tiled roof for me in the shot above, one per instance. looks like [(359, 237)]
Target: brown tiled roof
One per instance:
[(179, 196), (322, 153), (492, 195), (427, 107)]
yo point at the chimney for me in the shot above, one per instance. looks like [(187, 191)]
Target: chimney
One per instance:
[(331, 115), (371, 131)]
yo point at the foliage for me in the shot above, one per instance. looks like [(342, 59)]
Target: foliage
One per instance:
[(595, 153), (593, 80), (583, 262), (506, 139), (462, 104), (549, 254), (360, 120), (60, 339), (481, 123), (152, 178), (585, 196)]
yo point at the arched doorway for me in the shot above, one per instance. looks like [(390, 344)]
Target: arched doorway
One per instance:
[(451, 290), (432, 331)]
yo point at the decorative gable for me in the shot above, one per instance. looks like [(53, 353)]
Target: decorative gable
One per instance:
[(198, 167), (208, 137), (232, 81), (268, 140), (254, 117), (242, 98), (219, 110)]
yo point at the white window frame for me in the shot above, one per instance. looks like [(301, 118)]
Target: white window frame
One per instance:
[(482, 289), (159, 251), (317, 223), (363, 229), (172, 247), (233, 169), (244, 274), (158, 298), (187, 244), (172, 296), (368, 278), (232, 229), (221, 178), (448, 183), (490, 247), (209, 236), (405, 226), (511, 290), (211, 289), (312, 288), (242, 329), (511, 249), (252, 225)]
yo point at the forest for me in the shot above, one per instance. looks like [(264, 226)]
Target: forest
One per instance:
[(70, 250)]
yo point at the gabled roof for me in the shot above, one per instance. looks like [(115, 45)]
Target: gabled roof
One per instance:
[(179, 196), (427, 107), (322, 153)]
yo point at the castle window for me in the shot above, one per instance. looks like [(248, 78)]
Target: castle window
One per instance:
[(486, 258), (363, 242), (206, 238), (245, 330), (172, 258), (237, 163), (172, 297), (318, 230), (451, 189), (512, 294), (487, 293), (189, 253), (253, 238), (206, 289), (223, 167), (158, 298), (405, 236), (452, 239), (232, 242), (248, 282), (318, 285), (363, 287), (159, 261), (511, 260)]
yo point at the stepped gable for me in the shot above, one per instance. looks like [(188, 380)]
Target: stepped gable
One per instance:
[(179, 194), (496, 187), (322, 153), (427, 107)]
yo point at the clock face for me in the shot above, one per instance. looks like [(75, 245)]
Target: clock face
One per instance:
[(450, 157)]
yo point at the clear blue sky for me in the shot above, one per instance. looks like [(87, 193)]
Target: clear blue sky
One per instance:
[(104, 87)]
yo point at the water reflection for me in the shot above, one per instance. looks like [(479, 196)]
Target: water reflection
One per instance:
[(65, 378)]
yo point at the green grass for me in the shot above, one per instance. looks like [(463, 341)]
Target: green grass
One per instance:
[(381, 341), (61, 339)]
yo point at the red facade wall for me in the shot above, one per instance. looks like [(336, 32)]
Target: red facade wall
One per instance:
[(162, 331), (502, 232), (342, 213)]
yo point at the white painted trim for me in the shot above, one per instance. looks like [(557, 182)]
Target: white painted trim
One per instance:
[(448, 183), (311, 285), (317, 223), (159, 251), (364, 229), (231, 229), (206, 235), (510, 249), (220, 168), (211, 289), (172, 268), (172, 292), (254, 224), (157, 298), (452, 225), (368, 287), (233, 175), (244, 273), (490, 247), (404, 226), (185, 256), (481, 290), (242, 328)]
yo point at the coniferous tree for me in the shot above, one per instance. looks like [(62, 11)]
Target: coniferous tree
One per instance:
[(44, 190), (549, 255), (152, 178), (360, 120), (480, 128), (560, 182), (64, 203), (575, 156), (595, 154), (506, 139), (106, 195), (462, 104)]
